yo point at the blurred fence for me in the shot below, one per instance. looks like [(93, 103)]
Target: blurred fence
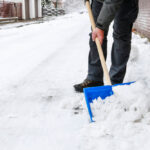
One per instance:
[(9, 9), (53, 8), (142, 24)]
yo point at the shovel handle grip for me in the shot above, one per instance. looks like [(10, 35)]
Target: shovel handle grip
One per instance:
[(99, 48)]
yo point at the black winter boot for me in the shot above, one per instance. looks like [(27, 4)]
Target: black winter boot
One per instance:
[(86, 83)]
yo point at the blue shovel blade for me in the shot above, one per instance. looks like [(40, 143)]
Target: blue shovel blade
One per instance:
[(93, 93)]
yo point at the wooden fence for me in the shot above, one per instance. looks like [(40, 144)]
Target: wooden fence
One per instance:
[(8, 9)]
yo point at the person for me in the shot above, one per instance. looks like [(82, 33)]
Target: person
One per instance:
[(124, 14)]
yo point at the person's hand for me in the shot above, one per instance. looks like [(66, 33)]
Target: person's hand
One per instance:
[(98, 33)]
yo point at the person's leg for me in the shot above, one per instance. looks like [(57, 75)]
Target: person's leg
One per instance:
[(123, 23), (95, 71)]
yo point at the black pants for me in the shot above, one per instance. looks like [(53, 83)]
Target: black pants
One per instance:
[(122, 30)]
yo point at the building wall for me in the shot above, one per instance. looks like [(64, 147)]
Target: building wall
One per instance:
[(39, 8), (142, 24), (32, 8)]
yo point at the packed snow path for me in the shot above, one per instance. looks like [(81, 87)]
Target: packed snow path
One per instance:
[(40, 63), (39, 109)]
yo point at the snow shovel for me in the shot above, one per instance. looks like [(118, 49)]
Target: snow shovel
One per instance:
[(93, 93)]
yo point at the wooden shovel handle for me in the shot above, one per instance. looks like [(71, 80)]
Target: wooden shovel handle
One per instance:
[(99, 48)]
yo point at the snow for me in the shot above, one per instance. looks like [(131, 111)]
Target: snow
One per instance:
[(39, 109), (124, 116), (73, 5)]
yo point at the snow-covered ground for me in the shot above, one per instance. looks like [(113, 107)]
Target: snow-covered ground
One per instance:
[(39, 109)]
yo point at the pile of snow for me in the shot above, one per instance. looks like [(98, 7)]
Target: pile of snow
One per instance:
[(122, 120), (128, 104)]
